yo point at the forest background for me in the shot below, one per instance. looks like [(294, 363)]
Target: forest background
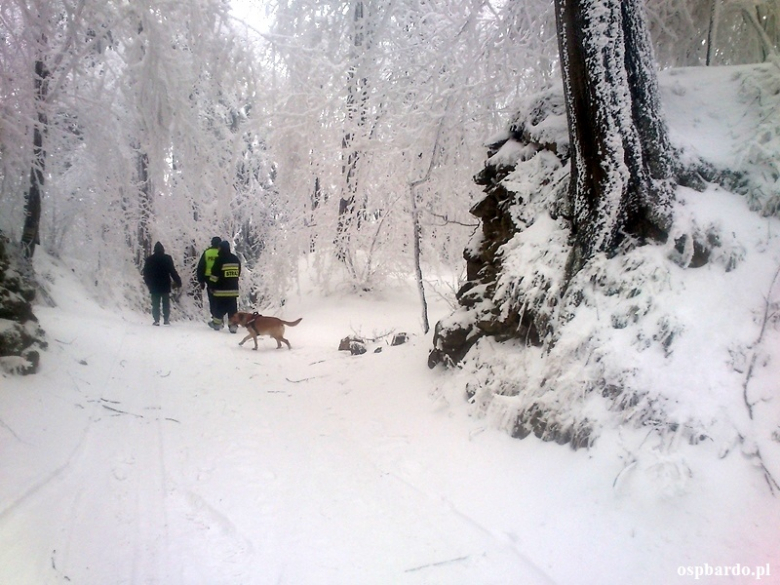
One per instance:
[(351, 129)]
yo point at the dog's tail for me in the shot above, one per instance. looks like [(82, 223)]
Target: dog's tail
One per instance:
[(292, 323)]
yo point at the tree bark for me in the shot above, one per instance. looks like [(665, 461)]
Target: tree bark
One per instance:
[(622, 162), (418, 274), (356, 119), (316, 199), (657, 154), (712, 31), (417, 227), (33, 206), (144, 208)]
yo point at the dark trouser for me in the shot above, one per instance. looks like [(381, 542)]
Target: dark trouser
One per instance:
[(224, 306), (210, 294), (165, 299)]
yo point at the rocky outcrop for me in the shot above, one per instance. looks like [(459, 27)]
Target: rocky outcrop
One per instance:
[(21, 337), (539, 128), (561, 327)]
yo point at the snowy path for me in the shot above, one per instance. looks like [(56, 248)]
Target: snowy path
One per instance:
[(179, 457), (171, 456)]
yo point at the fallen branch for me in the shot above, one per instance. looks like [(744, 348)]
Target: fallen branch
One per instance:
[(301, 380), (121, 411), (439, 564), (374, 339)]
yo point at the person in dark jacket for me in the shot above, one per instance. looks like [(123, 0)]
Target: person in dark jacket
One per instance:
[(224, 286), (158, 273), (205, 264)]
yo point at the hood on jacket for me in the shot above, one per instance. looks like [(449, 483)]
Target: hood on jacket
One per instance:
[(224, 247), (159, 249)]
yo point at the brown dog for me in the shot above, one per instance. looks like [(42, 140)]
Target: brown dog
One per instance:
[(256, 324)]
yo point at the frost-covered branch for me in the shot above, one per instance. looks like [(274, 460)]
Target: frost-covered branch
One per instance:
[(769, 309)]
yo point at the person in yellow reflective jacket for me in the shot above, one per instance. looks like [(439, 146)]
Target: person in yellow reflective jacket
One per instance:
[(224, 286), (205, 265)]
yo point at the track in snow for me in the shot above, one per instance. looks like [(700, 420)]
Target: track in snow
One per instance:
[(192, 460)]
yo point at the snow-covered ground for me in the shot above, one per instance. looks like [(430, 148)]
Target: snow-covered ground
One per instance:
[(170, 455)]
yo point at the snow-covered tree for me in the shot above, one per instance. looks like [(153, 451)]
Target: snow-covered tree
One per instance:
[(352, 124), (423, 92), (581, 183), (584, 254), (150, 134), (622, 162)]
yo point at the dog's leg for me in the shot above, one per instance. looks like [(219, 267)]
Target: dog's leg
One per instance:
[(287, 342), (247, 339)]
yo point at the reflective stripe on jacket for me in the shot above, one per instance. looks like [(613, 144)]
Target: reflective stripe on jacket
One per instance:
[(224, 276)]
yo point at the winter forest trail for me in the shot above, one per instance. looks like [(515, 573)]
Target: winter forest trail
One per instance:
[(171, 455)]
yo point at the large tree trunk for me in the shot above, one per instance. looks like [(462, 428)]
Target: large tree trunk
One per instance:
[(621, 158), (32, 217)]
